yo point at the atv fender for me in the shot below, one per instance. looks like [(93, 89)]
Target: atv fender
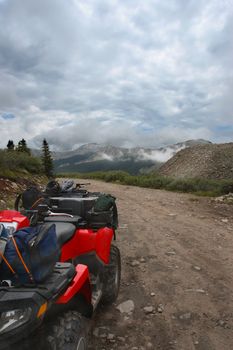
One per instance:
[(103, 243), (87, 241), (80, 284)]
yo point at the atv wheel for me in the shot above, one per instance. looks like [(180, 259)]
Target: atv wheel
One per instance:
[(67, 333), (112, 277)]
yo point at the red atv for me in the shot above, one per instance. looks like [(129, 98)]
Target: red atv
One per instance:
[(53, 315)]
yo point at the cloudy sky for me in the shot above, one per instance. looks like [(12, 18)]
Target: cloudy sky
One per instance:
[(125, 72)]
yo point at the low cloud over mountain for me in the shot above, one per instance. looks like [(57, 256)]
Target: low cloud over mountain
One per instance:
[(95, 157)]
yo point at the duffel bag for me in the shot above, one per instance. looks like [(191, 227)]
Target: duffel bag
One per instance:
[(105, 203), (30, 254)]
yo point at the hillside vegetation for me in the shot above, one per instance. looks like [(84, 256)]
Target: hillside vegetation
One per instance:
[(14, 164), (18, 170), (213, 161), (198, 186), (131, 166)]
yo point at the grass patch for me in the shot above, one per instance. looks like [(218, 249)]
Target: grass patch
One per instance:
[(200, 187), (14, 164)]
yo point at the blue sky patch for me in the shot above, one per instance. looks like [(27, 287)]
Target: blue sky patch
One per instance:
[(8, 116)]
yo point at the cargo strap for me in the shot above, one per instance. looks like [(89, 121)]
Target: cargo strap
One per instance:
[(3, 241), (7, 263), (18, 198), (16, 205), (21, 259), (37, 202), (114, 216)]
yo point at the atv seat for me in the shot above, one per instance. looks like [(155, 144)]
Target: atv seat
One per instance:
[(74, 219), (64, 232)]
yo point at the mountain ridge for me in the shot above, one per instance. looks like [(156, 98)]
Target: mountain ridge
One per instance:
[(103, 157)]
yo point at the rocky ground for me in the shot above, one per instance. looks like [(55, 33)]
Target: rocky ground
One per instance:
[(211, 161), (9, 189), (177, 273)]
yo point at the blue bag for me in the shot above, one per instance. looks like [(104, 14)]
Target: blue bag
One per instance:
[(39, 250), (3, 240)]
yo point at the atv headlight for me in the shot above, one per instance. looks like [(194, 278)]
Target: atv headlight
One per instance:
[(14, 318)]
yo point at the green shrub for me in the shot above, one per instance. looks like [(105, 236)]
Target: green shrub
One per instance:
[(181, 185), (13, 163), (201, 187)]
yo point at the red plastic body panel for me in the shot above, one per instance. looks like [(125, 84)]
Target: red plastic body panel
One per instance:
[(14, 216), (87, 240), (84, 241), (80, 284)]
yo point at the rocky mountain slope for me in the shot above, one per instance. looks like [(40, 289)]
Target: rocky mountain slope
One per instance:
[(210, 161), (100, 157)]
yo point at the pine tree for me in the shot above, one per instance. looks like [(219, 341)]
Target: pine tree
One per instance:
[(10, 145), (47, 160), (22, 147)]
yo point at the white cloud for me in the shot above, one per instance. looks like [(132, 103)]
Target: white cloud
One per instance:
[(160, 156), (122, 72), (105, 156)]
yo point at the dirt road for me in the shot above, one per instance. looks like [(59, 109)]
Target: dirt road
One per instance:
[(177, 260)]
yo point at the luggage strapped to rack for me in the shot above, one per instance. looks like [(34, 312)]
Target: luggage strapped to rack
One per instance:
[(29, 255)]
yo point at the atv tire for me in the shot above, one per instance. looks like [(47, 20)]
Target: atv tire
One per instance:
[(112, 277), (68, 332)]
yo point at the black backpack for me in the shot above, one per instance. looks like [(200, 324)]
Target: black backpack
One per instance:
[(30, 198)]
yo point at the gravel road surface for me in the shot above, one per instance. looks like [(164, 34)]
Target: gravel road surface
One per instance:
[(177, 273)]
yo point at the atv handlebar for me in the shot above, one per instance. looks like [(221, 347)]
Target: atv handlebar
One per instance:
[(81, 185), (43, 211)]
